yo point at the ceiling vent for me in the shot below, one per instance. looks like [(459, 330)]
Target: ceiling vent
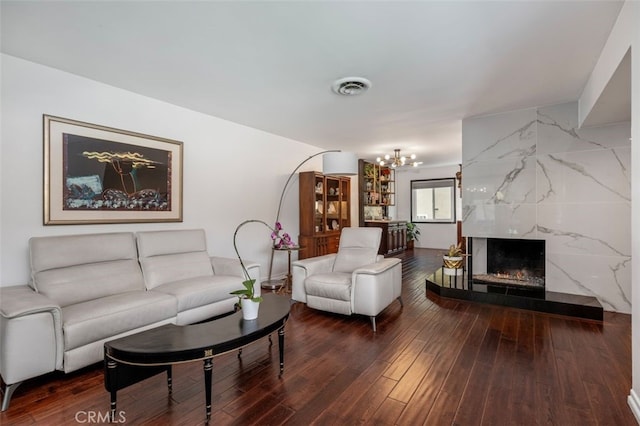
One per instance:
[(351, 86)]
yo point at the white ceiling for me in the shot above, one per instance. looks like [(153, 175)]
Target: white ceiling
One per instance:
[(270, 65)]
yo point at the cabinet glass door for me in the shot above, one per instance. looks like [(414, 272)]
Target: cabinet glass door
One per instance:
[(344, 204), (318, 216), (333, 196)]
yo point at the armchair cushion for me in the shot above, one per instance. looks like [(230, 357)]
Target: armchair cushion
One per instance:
[(335, 285), (358, 246)]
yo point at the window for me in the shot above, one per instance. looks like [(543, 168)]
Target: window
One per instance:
[(433, 201)]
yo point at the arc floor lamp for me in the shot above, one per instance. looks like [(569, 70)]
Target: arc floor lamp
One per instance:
[(334, 163)]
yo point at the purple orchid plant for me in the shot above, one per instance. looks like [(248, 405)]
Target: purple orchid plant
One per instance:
[(279, 241), (283, 241)]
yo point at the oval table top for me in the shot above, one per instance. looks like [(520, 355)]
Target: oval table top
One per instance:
[(170, 343)]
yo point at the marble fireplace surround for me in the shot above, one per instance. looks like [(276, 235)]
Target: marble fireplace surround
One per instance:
[(532, 174)]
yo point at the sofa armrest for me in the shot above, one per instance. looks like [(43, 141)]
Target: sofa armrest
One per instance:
[(22, 300), (30, 334), (301, 269), (229, 266)]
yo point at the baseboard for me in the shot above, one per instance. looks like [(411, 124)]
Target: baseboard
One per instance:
[(634, 403)]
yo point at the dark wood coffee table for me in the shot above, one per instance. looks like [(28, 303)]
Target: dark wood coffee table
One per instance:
[(133, 358)]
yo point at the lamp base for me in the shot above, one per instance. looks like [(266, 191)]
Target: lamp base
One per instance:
[(272, 284)]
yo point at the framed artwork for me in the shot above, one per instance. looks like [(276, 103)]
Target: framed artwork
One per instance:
[(98, 174)]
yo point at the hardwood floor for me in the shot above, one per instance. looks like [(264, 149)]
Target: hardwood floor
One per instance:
[(434, 362)]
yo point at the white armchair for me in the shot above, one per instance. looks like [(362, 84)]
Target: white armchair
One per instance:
[(356, 280)]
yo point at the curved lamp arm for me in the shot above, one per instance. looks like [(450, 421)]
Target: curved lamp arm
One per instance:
[(284, 189), (286, 184), (235, 246)]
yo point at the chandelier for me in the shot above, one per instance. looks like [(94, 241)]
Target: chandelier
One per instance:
[(398, 160)]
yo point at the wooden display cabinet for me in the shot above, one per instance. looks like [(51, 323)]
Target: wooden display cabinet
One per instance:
[(324, 211), (377, 188), (394, 235)]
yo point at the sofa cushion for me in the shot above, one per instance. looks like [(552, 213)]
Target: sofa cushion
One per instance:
[(168, 256), (336, 285), (75, 268), (195, 292), (87, 322)]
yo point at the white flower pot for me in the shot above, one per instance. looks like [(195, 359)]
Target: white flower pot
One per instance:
[(249, 309), (452, 265)]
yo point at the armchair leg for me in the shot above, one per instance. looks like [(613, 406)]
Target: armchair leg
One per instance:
[(400, 300), (8, 392), (373, 323)]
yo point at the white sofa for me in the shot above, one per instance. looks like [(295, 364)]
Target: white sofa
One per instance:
[(88, 289)]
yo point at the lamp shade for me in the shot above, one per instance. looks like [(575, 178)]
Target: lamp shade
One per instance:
[(340, 163)]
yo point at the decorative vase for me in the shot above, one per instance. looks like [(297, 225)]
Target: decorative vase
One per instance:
[(410, 244), (249, 309), (452, 265)]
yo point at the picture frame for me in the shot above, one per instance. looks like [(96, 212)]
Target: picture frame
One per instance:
[(95, 174)]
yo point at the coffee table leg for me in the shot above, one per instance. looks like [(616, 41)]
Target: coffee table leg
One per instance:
[(208, 367), (281, 347), (169, 380), (112, 367)]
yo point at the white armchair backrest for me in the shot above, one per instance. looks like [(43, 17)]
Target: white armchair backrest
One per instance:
[(358, 247)]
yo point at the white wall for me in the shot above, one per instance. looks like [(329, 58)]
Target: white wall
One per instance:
[(432, 235), (634, 398), (231, 172), (624, 35), (631, 13)]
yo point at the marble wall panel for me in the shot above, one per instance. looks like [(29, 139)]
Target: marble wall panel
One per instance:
[(601, 176), (479, 255), (577, 197), (499, 136), (500, 220), (504, 181), (608, 278), (594, 229), (557, 131)]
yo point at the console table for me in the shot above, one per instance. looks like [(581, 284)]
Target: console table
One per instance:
[(131, 359)]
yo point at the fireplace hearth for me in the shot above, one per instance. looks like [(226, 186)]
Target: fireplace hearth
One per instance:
[(510, 272)]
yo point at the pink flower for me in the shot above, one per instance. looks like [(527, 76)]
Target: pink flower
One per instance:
[(281, 241)]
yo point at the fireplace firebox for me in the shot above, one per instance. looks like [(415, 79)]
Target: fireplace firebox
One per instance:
[(514, 266)]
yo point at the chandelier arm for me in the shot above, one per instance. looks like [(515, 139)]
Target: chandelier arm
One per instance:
[(397, 160)]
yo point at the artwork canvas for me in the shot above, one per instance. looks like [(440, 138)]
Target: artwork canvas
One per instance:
[(97, 174)]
